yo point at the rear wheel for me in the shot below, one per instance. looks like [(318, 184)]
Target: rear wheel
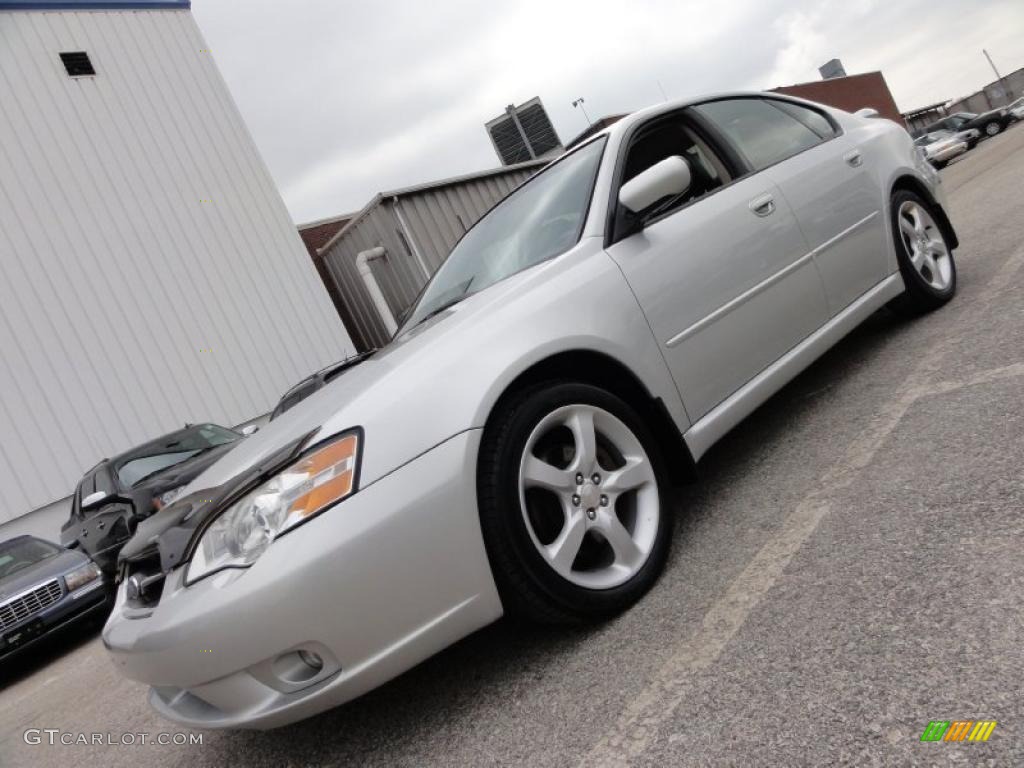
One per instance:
[(925, 257), (572, 504), (992, 128)]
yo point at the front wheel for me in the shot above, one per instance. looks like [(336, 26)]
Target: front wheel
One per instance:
[(924, 255), (992, 128), (572, 504)]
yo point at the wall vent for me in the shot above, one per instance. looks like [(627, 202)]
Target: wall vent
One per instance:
[(77, 64)]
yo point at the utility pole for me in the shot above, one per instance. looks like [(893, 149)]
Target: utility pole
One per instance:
[(1007, 94), (579, 103), (998, 76)]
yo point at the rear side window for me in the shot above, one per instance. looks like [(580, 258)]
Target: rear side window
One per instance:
[(763, 134), (812, 118)]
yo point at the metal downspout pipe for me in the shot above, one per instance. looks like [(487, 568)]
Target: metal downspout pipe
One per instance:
[(363, 265)]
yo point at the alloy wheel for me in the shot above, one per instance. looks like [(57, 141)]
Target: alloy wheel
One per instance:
[(925, 245), (589, 496)]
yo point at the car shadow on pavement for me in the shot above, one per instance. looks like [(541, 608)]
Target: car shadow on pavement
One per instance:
[(484, 673), (48, 650)]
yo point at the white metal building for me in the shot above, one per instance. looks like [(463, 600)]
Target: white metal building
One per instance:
[(150, 274)]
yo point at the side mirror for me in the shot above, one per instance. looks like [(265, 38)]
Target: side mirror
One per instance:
[(250, 429), (93, 499), (668, 178), (866, 112)]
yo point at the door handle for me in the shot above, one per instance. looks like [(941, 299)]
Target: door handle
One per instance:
[(763, 205), (854, 159), (101, 525)]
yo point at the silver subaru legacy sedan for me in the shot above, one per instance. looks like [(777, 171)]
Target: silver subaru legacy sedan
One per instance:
[(512, 449)]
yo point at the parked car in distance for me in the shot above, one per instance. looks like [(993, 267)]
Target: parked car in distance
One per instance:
[(940, 147), (314, 382), (43, 589), (1016, 109), (510, 449), (117, 493), (970, 136), (987, 123)]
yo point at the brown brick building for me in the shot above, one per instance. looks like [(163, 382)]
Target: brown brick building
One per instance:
[(850, 93), (314, 236)]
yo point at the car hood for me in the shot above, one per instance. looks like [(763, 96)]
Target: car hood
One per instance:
[(380, 394), (40, 573), (437, 380)]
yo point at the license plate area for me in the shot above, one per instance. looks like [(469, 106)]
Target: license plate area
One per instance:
[(22, 635)]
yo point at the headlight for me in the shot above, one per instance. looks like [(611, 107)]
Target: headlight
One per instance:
[(82, 576), (168, 496), (244, 530)]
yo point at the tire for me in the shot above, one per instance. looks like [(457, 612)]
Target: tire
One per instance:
[(940, 164), (993, 127), (520, 518), (925, 257)]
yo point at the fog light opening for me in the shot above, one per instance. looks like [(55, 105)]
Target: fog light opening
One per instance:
[(311, 660), (298, 666)]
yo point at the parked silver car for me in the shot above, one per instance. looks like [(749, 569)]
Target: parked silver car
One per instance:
[(940, 147), (510, 451)]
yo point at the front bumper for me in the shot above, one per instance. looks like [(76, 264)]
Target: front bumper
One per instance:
[(90, 601), (954, 150), (373, 586)]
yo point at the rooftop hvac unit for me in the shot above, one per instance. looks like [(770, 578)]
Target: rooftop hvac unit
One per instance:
[(523, 133), (832, 69)]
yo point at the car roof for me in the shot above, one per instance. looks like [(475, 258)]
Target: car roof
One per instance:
[(624, 124)]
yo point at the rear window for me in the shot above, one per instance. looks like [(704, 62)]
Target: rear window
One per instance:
[(762, 133)]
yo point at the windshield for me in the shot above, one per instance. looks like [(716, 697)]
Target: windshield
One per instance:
[(18, 554), (541, 219), (179, 447)]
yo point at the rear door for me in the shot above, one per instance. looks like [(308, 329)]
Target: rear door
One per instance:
[(723, 274), (826, 179)]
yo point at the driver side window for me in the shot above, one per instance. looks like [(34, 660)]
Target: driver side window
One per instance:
[(667, 138)]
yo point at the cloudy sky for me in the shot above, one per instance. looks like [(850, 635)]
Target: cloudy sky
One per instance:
[(346, 98)]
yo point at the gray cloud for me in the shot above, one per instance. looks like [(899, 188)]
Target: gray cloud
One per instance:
[(345, 99)]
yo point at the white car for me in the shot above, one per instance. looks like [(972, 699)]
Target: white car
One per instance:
[(1016, 109), (511, 449), (940, 147)]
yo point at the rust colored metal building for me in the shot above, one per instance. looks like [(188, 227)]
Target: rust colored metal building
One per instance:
[(315, 235), (850, 93)]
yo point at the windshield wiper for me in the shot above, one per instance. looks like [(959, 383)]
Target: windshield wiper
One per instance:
[(438, 310)]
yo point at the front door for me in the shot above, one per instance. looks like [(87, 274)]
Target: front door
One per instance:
[(103, 532), (725, 278)]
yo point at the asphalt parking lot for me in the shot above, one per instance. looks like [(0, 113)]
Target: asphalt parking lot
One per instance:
[(848, 569)]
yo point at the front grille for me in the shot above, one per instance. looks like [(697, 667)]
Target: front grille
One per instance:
[(22, 607)]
